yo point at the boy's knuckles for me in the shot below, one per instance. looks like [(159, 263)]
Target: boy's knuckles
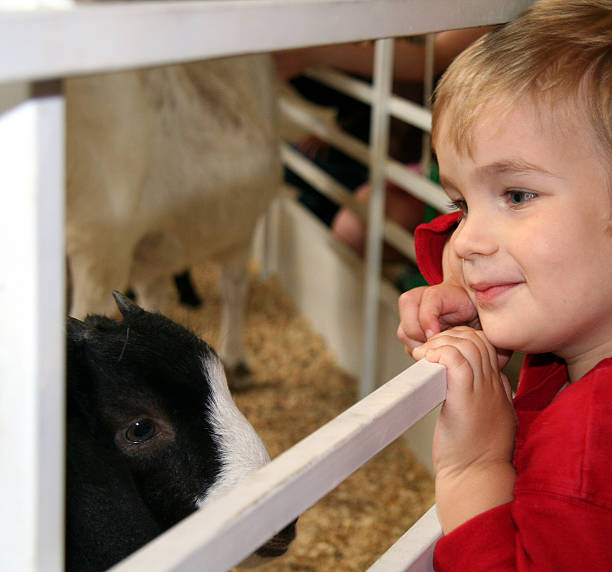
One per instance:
[(411, 299), (411, 339), (448, 355)]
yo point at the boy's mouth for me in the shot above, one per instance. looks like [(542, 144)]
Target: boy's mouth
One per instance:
[(487, 292)]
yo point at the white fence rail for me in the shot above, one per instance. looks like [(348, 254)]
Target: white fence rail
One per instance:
[(52, 39), (62, 38), (228, 529)]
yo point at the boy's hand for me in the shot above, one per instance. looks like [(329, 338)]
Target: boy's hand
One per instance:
[(428, 310), (474, 437)]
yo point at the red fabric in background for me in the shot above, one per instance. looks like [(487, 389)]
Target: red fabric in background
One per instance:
[(430, 239)]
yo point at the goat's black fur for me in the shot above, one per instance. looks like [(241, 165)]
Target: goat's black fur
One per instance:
[(123, 489)]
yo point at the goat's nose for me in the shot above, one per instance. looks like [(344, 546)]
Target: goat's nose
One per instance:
[(278, 544)]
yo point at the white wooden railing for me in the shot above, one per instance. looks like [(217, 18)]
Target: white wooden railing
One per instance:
[(227, 530), (42, 41)]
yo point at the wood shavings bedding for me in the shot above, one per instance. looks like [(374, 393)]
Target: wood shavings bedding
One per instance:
[(298, 387)]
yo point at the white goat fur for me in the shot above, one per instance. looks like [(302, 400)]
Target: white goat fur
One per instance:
[(168, 167)]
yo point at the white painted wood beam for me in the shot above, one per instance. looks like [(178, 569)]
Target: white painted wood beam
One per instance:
[(229, 528), (32, 338), (90, 38), (413, 552)]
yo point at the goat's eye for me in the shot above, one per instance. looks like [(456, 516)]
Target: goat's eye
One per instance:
[(140, 431)]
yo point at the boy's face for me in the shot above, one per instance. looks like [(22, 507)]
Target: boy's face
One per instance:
[(534, 245)]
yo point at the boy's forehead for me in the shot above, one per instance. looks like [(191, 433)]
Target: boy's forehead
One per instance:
[(509, 120), (521, 139)]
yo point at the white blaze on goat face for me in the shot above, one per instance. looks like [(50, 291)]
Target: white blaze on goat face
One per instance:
[(241, 450)]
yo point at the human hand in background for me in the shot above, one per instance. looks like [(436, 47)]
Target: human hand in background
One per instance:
[(358, 57), (475, 433)]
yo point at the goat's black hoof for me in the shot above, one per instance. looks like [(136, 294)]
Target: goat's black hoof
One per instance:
[(187, 293), (239, 377)]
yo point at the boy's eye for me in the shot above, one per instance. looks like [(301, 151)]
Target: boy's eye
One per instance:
[(517, 197)]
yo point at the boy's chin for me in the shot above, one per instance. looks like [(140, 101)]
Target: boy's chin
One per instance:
[(504, 337)]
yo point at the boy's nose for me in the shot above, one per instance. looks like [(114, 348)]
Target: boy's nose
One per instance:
[(476, 236)]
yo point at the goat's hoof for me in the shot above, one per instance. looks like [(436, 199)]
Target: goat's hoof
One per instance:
[(187, 293), (239, 377)]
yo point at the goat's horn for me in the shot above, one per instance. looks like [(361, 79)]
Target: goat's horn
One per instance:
[(125, 305)]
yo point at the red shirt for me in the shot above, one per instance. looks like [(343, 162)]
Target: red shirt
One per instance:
[(561, 515)]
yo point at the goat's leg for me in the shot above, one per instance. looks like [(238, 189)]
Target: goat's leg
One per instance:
[(234, 289), (155, 256), (185, 289), (152, 295)]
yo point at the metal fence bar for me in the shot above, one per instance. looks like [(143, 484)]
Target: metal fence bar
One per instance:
[(417, 185), (398, 107), (228, 529), (428, 85), (394, 234), (379, 144)]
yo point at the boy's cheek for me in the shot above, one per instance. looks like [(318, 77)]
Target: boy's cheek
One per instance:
[(452, 268)]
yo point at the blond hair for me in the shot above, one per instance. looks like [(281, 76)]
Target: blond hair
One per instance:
[(558, 52)]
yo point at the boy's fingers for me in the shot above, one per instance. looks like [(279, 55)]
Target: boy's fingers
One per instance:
[(487, 351), (419, 352), (409, 331), (459, 368), (507, 387), (452, 339), (471, 344), (426, 311), (444, 306), (432, 305), (410, 344), (503, 357)]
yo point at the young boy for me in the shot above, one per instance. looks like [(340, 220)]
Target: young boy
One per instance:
[(523, 136)]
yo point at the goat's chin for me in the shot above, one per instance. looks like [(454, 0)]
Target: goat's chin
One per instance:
[(276, 547), (255, 560)]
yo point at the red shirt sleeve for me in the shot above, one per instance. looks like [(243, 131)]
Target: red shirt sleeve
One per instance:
[(536, 533), (561, 517), (429, 241), (479, 544)]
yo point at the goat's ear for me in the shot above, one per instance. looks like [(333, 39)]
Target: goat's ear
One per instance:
[(76, 330), (77, 335), (125, 305)]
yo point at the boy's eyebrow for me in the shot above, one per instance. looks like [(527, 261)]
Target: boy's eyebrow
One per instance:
[(516, 166), (512, 166)]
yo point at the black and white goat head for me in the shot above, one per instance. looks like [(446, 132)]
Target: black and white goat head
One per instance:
[(152, 434)]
